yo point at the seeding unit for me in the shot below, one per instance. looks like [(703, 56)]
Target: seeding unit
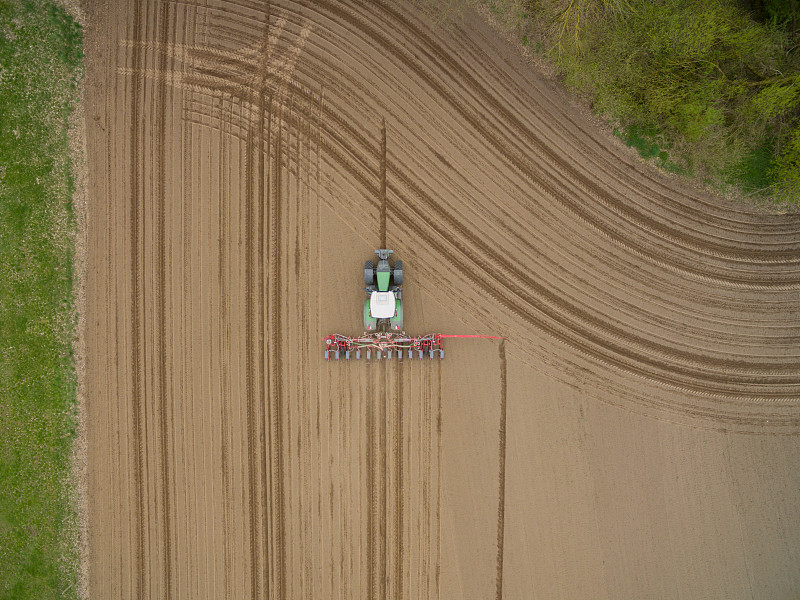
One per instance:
[(385, 344), (383, 321)]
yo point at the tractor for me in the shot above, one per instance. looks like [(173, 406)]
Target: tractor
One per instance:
[(383, 307)]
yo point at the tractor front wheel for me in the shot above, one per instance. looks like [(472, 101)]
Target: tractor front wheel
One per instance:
[(398, 272), (369, 273)]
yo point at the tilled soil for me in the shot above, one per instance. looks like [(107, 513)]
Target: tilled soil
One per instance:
[(635, 435)]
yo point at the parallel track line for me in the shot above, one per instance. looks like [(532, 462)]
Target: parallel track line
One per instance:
[(501, 495), (137, 399)]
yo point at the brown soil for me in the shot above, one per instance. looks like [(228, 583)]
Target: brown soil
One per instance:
[(636, 435)]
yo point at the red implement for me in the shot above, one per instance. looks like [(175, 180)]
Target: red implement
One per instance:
[(386, 344)]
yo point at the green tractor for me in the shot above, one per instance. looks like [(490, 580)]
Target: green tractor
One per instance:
[(383, 308)]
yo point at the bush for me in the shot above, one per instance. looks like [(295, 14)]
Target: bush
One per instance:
[(786, 170), (718, 89)]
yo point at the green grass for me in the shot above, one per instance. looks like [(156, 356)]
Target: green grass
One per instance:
[(649, 142), (40, 63), (752, 173), (719, 85)]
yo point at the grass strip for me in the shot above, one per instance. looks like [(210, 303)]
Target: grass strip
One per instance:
[(40, 67)]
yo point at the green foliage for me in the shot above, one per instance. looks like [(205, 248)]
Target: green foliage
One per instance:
[(512, 13), (719, 88), (649, 143), (752, 172), (781, 12), (67, 37), (676, 64), (786, 170), (40, 54), (777, 97), (573, 14)]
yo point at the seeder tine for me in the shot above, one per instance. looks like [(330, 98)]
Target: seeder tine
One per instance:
[(368, 353), (327, 354), (358, 353), (410, 355), (389, 354), (441, 353), (347, 354), (420, 354), (430, 354), (336, 355)]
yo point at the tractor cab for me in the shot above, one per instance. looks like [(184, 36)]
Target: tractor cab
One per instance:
[(382, 305)]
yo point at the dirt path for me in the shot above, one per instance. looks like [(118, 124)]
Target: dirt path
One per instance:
[(246, 157)]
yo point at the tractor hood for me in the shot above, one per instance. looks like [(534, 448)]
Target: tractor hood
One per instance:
[(381, 305)]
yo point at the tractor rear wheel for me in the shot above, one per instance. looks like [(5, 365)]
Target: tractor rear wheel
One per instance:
[(398, 272), (369, 273)]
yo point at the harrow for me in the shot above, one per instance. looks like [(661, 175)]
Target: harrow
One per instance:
[(389, 345)]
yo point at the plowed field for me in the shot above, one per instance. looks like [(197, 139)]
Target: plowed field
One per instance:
[(635, 435)]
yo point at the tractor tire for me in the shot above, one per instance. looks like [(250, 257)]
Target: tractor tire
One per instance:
[(396, 322), (369, 273), (398, 272), (370, 322)]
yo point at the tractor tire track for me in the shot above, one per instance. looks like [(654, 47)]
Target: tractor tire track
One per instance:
[(438, 569), (251, 374), (370, 484), (224, 350), (425, 476), (265, 385), (276, 358), (302, 276), (501, 494), (383, 513), (312, 328), (135, 217), (400, 400), (184, 440), (165, 419), (383, 184)]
